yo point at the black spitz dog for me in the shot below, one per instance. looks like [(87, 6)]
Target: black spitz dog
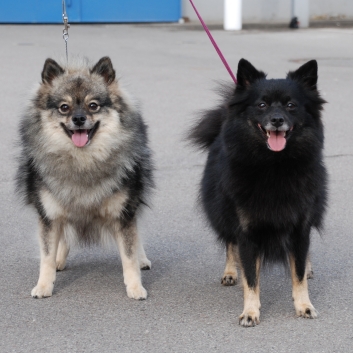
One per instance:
[(264, 184)]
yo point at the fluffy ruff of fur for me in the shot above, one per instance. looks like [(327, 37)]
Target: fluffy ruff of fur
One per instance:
[(86, 168), (264, 186)]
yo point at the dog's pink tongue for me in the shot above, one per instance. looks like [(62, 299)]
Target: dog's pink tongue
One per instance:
[(80, 138), (277, 141)]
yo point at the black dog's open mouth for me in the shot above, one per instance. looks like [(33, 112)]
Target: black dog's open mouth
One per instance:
[(81, 137), (276, 139)]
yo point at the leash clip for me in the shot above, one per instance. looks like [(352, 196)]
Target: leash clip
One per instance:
[(66, 22), (66, 28)]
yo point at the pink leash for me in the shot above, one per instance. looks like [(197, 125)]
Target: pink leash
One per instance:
[(214, 43)]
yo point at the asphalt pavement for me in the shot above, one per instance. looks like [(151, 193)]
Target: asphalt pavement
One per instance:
[(173, 70)]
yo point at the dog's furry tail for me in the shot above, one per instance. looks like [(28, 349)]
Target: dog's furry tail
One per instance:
[(207, 128)]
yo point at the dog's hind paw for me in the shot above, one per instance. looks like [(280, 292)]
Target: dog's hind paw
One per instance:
[(306, 311), (229, 280), (60, 265), (42, 291), (310, 274), (136, 292), (249, 319), (145, 264)]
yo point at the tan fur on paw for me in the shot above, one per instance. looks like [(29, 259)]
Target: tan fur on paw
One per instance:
[(249, 319), (229, 280), (310, 274), (306, 311)]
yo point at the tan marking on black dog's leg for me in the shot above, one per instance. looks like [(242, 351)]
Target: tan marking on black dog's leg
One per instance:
[(145, 264), (61, 256), (251, 313), (230, 275), (302, 303), (128, 244), (309, 269), (48, 241)]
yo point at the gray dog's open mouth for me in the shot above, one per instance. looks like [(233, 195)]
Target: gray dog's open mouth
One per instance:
[(276, 139), (81, 137)]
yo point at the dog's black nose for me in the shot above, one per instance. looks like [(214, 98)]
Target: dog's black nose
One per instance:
[(78, 120), (277, 121)]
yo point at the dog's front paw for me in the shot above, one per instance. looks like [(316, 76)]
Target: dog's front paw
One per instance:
[(145, 264), (42, 291), (306, 311), (136, 292), (250, 318), (229, 280)]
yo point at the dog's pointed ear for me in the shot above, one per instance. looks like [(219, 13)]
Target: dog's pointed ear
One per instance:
[(51, 70), (306, 74), (247, 74), (104, 67)]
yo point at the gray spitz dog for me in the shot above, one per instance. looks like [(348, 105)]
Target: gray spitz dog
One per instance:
[(86, 168)]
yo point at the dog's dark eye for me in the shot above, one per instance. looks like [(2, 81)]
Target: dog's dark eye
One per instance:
[(262, 105), (64, 108), (291, 105), (93, 106)]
